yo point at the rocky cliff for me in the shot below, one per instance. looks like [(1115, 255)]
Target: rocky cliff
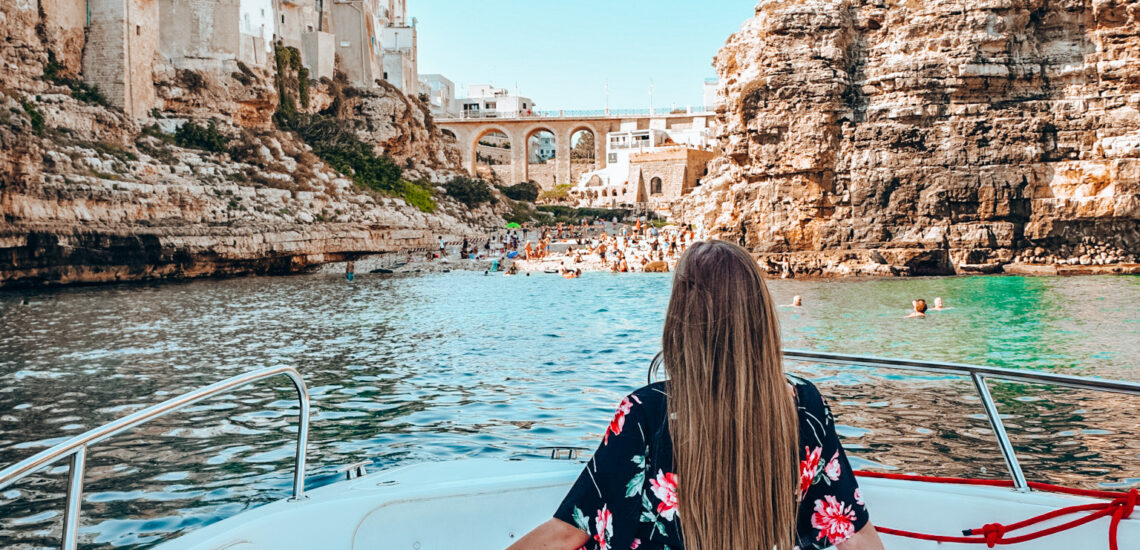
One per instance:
[(930, 136), (88, 194)]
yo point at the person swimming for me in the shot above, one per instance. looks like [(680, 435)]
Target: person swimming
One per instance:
[(919, 310), (797, 301), (938, 305)]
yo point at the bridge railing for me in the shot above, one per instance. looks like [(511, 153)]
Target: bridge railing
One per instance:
[(584, 113)]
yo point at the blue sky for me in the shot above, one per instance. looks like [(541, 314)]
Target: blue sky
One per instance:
[(562, 53)]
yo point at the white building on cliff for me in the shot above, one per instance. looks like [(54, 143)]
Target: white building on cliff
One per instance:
[(372, 39), (486, 101)]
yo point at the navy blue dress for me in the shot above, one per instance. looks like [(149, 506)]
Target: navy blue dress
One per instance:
[(626, 495)]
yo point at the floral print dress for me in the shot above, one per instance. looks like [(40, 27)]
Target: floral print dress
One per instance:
[(626, 496)]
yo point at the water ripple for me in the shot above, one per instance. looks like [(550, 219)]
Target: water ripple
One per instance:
[(405, 369)]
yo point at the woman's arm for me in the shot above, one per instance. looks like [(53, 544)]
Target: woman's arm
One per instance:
[(556, 534), (866, 538)]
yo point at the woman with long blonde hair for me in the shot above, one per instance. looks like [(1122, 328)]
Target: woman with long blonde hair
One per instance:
[(729, 453)]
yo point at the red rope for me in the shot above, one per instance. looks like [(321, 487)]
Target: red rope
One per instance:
[(1119, 506)]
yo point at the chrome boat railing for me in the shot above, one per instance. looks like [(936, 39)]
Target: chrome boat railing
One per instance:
[(978, 375), (76, 447)]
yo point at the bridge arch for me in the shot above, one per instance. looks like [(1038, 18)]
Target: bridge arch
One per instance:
[(542, 155), (585, 156), (474, 141), (518, 130)]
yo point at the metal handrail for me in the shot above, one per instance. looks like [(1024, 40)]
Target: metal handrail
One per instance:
[(76, 447), (978, 375)]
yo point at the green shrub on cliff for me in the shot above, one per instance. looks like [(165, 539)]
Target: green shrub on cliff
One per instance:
[(469, 191), (521, 213), (525, 191), (561, 192), (35, 115), (291, 77), (333, 140), (206, 138), (53, 73), (419, 195), (356, 160)]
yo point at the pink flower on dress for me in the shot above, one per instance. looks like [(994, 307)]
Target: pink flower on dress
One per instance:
[(619, 420), (665, 489), (833, 468), (605, 525), (809, 467), (833, 519), (859, 497), (636, 543)]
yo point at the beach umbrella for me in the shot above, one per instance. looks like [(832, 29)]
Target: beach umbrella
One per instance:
[(513, 225)]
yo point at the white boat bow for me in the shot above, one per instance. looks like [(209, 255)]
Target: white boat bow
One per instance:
[(483, 503)]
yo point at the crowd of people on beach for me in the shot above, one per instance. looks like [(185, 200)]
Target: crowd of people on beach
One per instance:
[(636, 248), (601, 246), (570, 249)]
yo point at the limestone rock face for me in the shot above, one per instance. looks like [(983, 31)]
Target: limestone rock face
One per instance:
[(929, 136), (88, 194), (401, 127)]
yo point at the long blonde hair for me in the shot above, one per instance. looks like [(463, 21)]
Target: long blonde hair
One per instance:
[(732, 418)]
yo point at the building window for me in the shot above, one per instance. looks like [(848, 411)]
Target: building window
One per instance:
[(492, 105), (282, 19), (611, 158), (138, 30), (655, 186)]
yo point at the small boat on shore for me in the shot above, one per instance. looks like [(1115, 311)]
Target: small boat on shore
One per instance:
[(489, 503)]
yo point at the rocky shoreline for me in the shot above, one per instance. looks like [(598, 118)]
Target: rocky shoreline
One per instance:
[(212, 183)]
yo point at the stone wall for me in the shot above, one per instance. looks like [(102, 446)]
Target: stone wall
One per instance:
[(65, 22), (118, 56), (579, 168), (931, 137), (318, 54), (545, 175)]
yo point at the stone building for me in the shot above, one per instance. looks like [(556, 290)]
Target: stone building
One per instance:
[(441, 95), (375, 41), (486, 101), (657, 179), (661, 178), (211, 35), (650, 164), (126, 42), (304, 24), (122, 40)]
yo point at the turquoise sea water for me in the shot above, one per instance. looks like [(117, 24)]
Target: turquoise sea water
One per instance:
[(439, 367)]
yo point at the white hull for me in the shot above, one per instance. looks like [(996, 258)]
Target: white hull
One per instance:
[(488, 504)]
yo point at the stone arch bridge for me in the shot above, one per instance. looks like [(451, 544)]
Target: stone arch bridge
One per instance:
[(469, 131)]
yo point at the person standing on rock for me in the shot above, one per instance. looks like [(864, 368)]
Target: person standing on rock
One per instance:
[(441, 246), (349, 270)]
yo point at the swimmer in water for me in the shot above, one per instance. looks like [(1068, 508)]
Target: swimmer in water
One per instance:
[(797, 301), (919, 310), (938, 304)]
